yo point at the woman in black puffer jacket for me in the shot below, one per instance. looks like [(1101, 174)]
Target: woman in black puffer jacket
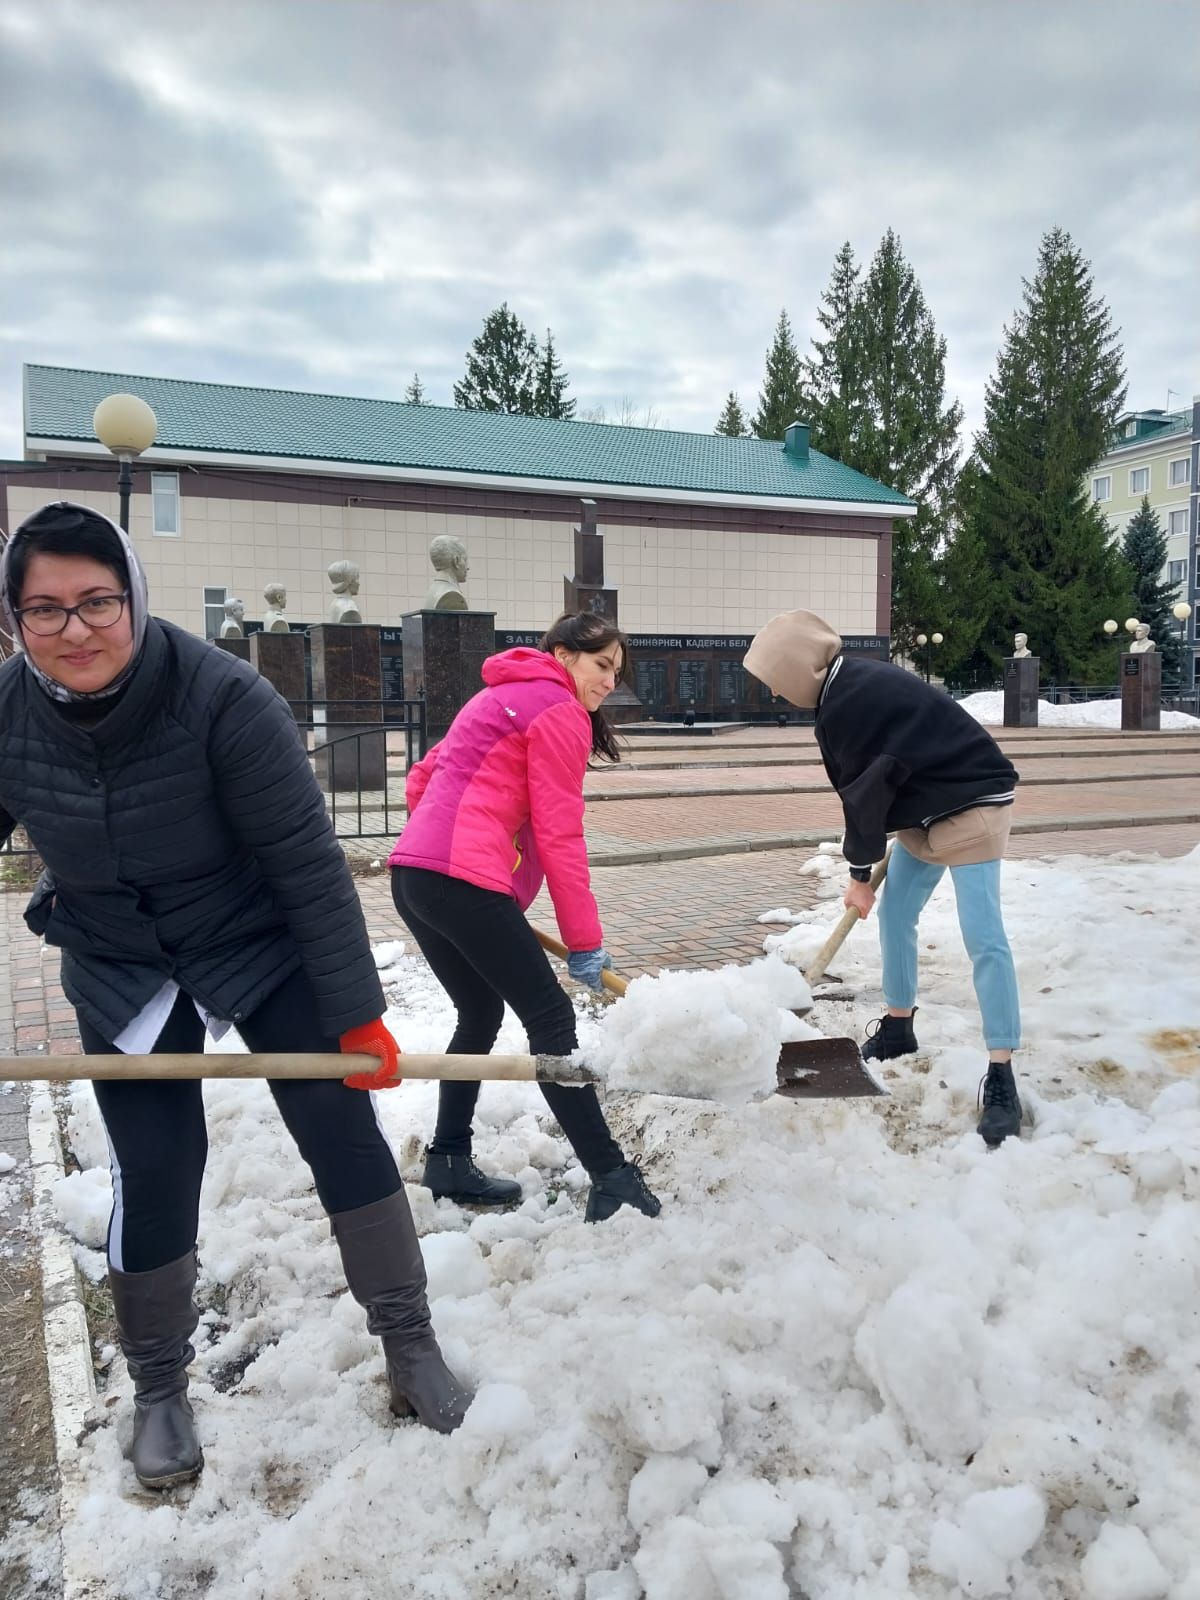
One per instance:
[(193, 880)]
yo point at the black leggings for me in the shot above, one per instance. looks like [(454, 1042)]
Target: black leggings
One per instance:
[(158, 1141), (483, 953)]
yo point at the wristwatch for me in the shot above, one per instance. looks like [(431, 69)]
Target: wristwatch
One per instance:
[(861, 874)]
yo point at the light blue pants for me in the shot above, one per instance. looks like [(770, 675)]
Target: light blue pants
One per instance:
[(907, 887)]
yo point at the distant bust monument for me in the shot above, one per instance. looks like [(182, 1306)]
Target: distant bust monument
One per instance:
[(449, 557), (274, 620), (343, 575), (1142, 642), (1020, 650), (232, 628)]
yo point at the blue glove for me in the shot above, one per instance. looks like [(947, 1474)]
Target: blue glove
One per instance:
[(585, 966)]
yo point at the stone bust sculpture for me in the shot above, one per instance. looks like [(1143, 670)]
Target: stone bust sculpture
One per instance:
[(449, 557), (343, 575), (1020, 652), (1142, 642), (231, 628), (274, 620)]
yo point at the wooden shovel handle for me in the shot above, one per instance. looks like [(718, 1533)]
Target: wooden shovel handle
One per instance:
[(612, 981), (837, 938), (549, 1069)]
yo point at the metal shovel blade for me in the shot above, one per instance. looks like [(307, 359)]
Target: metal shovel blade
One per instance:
[(825, 1069)]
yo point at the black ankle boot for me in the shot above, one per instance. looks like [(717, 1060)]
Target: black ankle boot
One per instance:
[(624, 1187), (890, 1037), (1001, 1104), (381, 1257), (156, 1318), (458, 1178)]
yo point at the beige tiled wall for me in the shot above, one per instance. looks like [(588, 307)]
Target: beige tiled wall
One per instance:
[(669, 579)]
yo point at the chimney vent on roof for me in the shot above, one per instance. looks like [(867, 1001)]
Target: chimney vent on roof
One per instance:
[(795, 440)]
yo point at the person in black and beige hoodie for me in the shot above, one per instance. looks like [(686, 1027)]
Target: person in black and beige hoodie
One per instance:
[(907, 759)]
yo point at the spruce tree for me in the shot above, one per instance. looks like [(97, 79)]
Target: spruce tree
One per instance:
[(1048, 417), (414, 395), (550, 389), (877, 391), (502, 367), (732, 421), (781, 400), (833, 373), (1145, 549)]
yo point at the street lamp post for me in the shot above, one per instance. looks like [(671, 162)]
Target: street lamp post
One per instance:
[(1181, 611), (927, 642), (126, 425)]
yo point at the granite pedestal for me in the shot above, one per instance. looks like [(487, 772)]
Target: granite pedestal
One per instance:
[(443, 654), (348, 706), (280, 659), (236, 647), (1141, 692), (1021, 677)]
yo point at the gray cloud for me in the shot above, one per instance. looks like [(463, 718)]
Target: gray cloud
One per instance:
[(332, 195)]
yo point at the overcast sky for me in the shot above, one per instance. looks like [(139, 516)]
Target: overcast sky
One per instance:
[(332, 195)]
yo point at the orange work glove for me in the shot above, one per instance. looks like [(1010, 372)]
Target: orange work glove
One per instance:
[(373, 1039)]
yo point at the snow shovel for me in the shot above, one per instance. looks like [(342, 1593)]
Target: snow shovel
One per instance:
[(813, 1069), (816, 967), (808, 1069)]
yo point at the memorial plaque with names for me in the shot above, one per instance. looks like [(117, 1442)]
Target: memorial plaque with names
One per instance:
[(650, 682), (732, 686), (691, 683)]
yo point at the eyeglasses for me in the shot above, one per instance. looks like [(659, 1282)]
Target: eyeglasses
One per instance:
[(99, 611)]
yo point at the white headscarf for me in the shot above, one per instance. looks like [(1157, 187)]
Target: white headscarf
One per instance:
[(116, 551)]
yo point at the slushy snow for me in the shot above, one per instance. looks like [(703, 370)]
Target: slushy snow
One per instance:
[(858, 1357)]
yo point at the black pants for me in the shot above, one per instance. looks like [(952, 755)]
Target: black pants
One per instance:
[(158, 1140), (483, 953)]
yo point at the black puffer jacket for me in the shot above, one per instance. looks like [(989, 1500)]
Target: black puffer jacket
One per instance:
[(185, 837)]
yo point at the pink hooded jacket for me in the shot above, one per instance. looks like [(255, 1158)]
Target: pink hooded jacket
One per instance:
[(499, 801)]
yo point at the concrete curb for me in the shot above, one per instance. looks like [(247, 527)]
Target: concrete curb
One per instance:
[(68, 1343), (718, 791), (732, 845)]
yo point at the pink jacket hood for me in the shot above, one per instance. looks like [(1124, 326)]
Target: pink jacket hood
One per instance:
[(499, 802), (525, 665)]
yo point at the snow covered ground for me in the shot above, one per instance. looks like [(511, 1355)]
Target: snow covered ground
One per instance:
[(988, 708), (857, 1358)]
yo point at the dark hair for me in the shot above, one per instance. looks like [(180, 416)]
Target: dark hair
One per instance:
[(63, 530), (583, 632)]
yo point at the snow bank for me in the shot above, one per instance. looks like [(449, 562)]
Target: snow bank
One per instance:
[(857, 1357), (988, 708)]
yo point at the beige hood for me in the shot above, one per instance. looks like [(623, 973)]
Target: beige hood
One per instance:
[(792, 654)]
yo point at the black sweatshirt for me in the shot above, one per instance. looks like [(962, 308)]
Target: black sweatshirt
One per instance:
[(902, 754)]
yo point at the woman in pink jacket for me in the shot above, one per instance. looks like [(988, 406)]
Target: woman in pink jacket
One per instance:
[(493, 810)]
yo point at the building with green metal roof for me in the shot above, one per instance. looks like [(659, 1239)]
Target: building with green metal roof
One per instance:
[(704, 534)]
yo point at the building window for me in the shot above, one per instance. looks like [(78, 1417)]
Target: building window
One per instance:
[(1176, 524), (1102, 488), (164, 496), (1139, 480), (1176, 571), (214, 611), (1130, 430), (1179, 472)]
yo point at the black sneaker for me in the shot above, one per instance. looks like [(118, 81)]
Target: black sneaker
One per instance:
[(624, 1187), (1001, 1117), (890, 1037), (458, 1178)]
